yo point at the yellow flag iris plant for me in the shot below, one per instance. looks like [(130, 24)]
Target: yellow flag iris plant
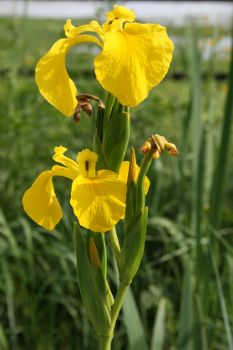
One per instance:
[(105, 189)]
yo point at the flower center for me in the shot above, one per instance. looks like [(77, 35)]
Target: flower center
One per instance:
[(87, 161)]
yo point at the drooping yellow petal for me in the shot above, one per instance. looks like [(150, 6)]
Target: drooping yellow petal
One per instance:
[(133, 61), (40, 202), (123, 175), (52, 77), (98, 203)]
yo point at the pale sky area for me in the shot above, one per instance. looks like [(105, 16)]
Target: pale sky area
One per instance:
[(166, 11)]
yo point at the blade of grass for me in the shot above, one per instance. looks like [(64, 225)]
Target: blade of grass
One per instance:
[(200, 336), (218, 183), (3, 339), (10, 304), (158, 335), (133, 324), (185, 322), (223, 304), (196, 122), (221, 166), (230, 279)]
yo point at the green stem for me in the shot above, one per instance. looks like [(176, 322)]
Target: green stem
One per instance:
[(118, 303), (115, 242), (105, 342), (140, 192)]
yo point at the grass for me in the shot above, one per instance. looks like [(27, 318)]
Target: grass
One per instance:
[(182, 295)]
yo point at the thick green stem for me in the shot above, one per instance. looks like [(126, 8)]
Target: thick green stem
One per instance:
[(120, 297), (105, 342)]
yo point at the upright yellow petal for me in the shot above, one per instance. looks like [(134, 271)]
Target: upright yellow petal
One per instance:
[(123, 175), (52, 77), (87, 162), (98, 203), (120, 12), (59, 157), (133, 61), (40, 202)]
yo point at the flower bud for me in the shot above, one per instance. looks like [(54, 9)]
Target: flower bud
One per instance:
[(133, 168), (94, 256), (157, 144), (146, 147), (172, 150)]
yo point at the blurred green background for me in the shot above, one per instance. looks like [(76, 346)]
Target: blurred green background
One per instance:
[(182, 297)]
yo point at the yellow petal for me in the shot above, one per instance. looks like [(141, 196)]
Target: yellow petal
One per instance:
[(133, 61), (59, 157), (72, 31), (52, 77), (40, 202), (87, 156), (120, 12), (98, 203), (123, 175), (117, 17), (58, 170), (87, 161)]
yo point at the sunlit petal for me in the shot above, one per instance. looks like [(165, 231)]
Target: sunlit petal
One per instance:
[(123, 175), (40, 202), (59, 157), (98, 203), (133, 61), (72, 31), (59, 170), (52, 77), (120, 12), (87, 162)]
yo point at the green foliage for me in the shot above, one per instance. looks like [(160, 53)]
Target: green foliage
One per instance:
[(159, 328), (92, 289), (135, 331), (40, 307), (116, 137), (133, 247)]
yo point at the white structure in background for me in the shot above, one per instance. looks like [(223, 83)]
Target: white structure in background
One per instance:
[(160, 11)]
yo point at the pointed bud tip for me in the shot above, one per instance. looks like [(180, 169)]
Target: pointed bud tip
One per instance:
[(94, 256), (133, 173)]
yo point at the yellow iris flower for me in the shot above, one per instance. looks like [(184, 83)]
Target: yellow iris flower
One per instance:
[(135, 57), (97, 197)]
